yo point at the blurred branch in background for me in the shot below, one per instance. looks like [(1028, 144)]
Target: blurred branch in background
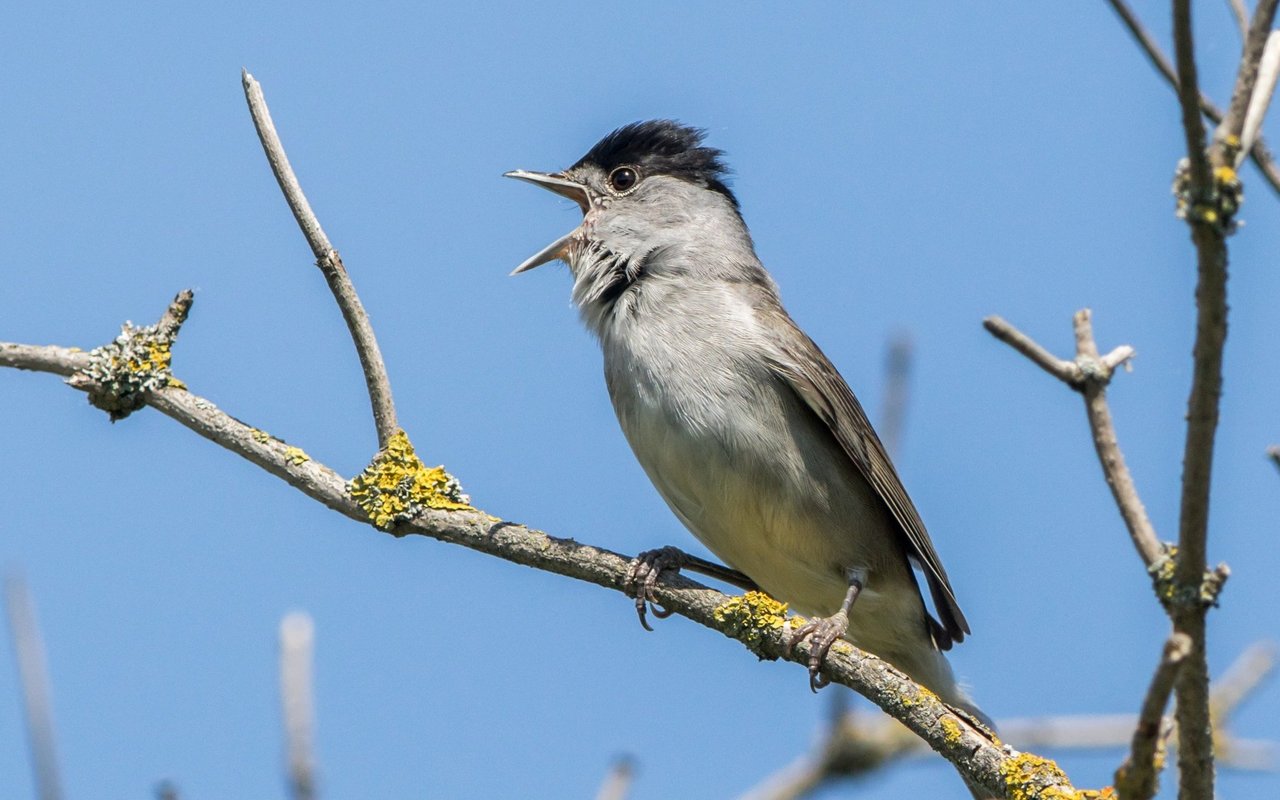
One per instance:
[(1241, 15), (858, 743), (297, 646), (898, 361), (33, 673), (617, 783), (1273, 453), (167, 790)]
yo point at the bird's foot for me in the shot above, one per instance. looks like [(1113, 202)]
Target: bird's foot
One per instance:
[(822, 633), (643, 579)]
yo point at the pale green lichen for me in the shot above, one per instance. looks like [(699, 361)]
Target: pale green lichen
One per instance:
[(261, 437), (1163, 572), (752, 615), (397, 486), (295, 455), (122, 372)]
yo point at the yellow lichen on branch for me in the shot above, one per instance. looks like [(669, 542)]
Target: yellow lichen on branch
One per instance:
[(951, 730), (748, 617), (1030, 777), (397, 486), (121, 373), (295, 455)]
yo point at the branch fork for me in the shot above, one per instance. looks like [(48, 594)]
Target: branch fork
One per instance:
[(121, 374)]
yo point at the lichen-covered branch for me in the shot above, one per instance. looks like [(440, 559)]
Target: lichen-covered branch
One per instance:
[(1210, 195), (330, 264), (857, 743), (755, 620), (121, 374)]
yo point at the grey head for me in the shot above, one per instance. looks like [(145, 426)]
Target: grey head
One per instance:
[(644, 188)]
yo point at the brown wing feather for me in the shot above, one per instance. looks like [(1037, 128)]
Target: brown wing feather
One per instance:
[(815, 380)]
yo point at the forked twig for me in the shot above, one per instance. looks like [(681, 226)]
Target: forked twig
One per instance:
[(1089, 373)]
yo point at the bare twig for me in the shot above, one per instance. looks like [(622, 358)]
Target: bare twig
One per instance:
[(1147, 42), (1066, 371), (1268, 71), (1139, 777), (1230, 130), (1242, 17), (330, 264), (1259, 152), (1105, 443), (617, 783), (754, 620), (1187, 86), (1089, 374), (297, 643), (34, 675)]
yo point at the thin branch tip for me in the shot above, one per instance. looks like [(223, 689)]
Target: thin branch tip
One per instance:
[(377, 381)]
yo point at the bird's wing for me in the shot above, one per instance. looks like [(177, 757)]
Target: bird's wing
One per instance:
[(806, 369)]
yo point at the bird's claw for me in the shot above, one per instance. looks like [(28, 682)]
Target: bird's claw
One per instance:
[(643, 580), (822, 633)]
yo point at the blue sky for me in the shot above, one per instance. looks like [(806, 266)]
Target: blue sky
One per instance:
[(901, 170)]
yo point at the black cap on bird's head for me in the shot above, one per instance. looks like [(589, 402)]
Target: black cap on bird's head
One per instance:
[(662, 147), (620, 162)]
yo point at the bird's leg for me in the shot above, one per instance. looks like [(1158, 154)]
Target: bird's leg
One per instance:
[(721, 573), (649, 566), (825, 630), (643, 579)]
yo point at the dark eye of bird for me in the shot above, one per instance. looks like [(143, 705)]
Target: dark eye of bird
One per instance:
[(623, 178)]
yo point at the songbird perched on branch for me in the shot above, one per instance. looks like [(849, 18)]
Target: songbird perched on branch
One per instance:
[(744, 426)]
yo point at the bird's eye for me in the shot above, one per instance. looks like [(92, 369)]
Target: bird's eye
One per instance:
[(623, 179)]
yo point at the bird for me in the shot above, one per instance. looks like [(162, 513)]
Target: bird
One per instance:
[(743, 425)]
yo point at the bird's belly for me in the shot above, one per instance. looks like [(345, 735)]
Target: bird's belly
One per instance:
[(770, 503)]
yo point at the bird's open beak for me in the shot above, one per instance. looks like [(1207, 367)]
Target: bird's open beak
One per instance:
[(564, 187)]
